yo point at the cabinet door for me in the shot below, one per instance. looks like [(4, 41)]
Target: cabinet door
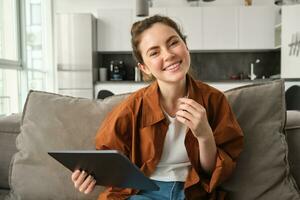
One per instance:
[(75, 79), (114, 29), (74, 41), (257, 27), (190, 20), (220, 28)]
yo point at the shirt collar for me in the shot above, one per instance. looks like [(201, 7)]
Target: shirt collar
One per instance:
[(152, 112)]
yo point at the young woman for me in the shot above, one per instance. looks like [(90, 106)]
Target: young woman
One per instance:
[(180, 132)]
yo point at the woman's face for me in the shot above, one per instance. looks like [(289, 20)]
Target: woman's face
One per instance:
[(164, 53)]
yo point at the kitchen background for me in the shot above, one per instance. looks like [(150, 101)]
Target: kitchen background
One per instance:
[(225, 37)]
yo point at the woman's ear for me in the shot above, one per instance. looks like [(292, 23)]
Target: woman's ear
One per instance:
[(144, 68)]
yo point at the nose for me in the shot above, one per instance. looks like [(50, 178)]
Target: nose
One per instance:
[(168, 54)]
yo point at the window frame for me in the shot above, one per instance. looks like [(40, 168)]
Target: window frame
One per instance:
[(15, 64), (21, 64)]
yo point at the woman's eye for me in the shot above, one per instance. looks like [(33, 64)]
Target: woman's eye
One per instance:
[(154, 53), (174, 42)]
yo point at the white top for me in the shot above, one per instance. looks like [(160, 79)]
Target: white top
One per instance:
[(174, 163)]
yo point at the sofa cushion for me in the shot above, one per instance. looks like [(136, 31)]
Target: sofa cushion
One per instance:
[(293, 138), (7, 149), (262, 170), (54, 122), (11, 123), (9, 129), (3, 193)]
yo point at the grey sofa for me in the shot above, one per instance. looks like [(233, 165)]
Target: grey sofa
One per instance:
[(82, 111), (9, 129)]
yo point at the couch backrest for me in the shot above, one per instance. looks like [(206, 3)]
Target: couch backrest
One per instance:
[(56, 122), (9, 129)]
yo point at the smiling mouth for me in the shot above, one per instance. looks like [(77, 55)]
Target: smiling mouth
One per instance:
[(173, 66)]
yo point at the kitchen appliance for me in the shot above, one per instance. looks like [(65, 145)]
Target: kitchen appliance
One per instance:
[(117, 70), (103, 74), (76, 54)]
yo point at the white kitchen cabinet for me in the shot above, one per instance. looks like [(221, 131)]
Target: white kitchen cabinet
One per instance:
[(75, 79), (190, 20), (114, 29), (70, 28), (257, 27), (220, 28), (290, 42)]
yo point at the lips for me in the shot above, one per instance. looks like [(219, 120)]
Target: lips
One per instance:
[(173, 66)]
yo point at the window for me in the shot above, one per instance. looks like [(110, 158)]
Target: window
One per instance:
[(9, 56), (30, 20), (37, 47), (8, 30), (9, 83)]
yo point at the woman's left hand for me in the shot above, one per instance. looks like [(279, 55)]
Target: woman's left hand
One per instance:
[(193, 115)]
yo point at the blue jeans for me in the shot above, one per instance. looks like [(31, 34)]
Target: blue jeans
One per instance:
[(167, 191)]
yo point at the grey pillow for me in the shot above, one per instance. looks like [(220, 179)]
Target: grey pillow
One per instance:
[(54, 122), (293, 137), (262, 170)]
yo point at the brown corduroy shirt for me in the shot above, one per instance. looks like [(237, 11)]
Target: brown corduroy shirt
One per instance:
[(137, 127)]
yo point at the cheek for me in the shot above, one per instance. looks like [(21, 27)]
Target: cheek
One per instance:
[(155, 64), (185, 52)]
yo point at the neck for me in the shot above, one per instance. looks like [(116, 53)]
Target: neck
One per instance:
[(169, 94)]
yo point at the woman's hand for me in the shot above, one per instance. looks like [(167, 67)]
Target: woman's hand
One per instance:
[(193, 115), (83, 181)]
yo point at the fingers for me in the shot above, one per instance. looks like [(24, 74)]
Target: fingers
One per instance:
[(90, 187), (83, 182), (184, 114), (75, 175), (195, 109), (193, 104), (87, 185), (184, 121), (80, 179)]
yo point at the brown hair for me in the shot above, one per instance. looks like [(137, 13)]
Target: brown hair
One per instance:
[(140, 26)]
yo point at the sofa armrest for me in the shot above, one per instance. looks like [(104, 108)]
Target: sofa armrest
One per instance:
[(9, 129), (293, 139)]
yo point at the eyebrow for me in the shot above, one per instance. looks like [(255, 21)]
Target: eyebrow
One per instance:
[(167, 41)]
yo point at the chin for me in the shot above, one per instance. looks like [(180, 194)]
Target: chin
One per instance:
[(175, 78)]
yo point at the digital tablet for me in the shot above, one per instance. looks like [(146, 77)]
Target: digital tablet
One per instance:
[(109, 168)]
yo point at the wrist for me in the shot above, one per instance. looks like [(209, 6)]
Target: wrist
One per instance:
[(204, 139)]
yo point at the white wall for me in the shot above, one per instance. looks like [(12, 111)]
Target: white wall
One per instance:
[(91, 6), (290, 63)]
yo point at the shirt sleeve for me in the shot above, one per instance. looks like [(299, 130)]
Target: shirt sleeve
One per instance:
[(229, 141), (115, 131)]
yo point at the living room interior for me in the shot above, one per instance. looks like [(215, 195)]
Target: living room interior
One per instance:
[(60, 59)]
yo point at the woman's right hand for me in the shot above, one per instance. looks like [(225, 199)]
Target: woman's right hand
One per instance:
[(83, 181)]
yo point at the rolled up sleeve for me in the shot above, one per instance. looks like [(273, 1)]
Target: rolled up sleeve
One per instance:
[(229, 141)]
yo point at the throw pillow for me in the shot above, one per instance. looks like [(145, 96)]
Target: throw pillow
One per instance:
[(293, 137), (54, 122), (262, 169)]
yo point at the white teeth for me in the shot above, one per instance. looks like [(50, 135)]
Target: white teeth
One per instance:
[(171, 67)]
